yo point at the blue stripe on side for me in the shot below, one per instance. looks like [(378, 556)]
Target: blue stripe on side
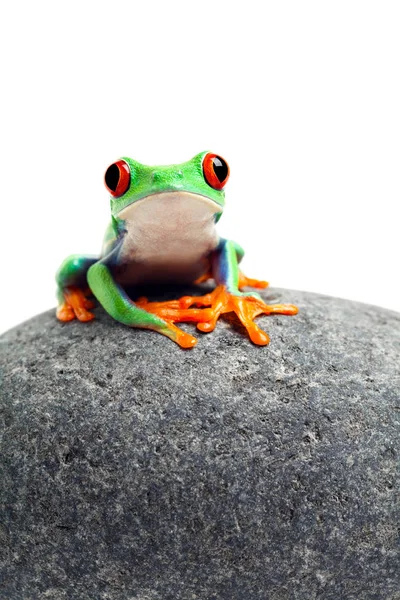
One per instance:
[(225, 266)]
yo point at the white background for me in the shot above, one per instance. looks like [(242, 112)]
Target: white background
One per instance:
[(301, 98)]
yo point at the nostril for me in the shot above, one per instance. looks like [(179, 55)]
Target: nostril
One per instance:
[(168, 178), (156, 177)]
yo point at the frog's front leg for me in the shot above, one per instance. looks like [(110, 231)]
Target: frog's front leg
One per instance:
[(118, 304), (72, 288), (243, 280), (227, 297)]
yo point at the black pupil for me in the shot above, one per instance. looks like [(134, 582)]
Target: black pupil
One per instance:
[(112, 177), (220, 168)]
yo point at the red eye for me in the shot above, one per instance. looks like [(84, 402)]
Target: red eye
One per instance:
[(117, 178), (216, 171)]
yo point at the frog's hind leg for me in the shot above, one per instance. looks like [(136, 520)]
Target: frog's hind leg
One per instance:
[(73, 290)]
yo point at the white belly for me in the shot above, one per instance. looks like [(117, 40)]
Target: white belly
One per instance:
[(169, 238)]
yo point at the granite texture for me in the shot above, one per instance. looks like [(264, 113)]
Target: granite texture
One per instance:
[(134, 470)]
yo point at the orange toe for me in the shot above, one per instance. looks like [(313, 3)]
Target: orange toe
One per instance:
[(258, 336), (75, 305), (250, 282), (83, 315), (185, 340), (207, 326), (65, 313)]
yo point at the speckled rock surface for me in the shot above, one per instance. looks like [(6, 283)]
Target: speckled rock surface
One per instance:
[(133, 470)]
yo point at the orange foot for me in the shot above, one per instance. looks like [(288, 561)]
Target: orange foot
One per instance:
[(248, 281), (75, 305), (220, 301)]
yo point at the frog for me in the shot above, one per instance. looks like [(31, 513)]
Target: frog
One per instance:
[(163, 231)]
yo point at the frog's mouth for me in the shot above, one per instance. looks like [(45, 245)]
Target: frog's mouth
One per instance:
[(173, 210)]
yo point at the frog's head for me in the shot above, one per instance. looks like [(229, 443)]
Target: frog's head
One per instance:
[(197, 184)]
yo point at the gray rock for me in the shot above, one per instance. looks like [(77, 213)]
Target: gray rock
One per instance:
[(134, 470)]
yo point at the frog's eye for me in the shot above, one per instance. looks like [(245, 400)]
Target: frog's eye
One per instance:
[(117, 178), (216, 171)]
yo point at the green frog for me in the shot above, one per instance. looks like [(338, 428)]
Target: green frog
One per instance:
[(162, 231)]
